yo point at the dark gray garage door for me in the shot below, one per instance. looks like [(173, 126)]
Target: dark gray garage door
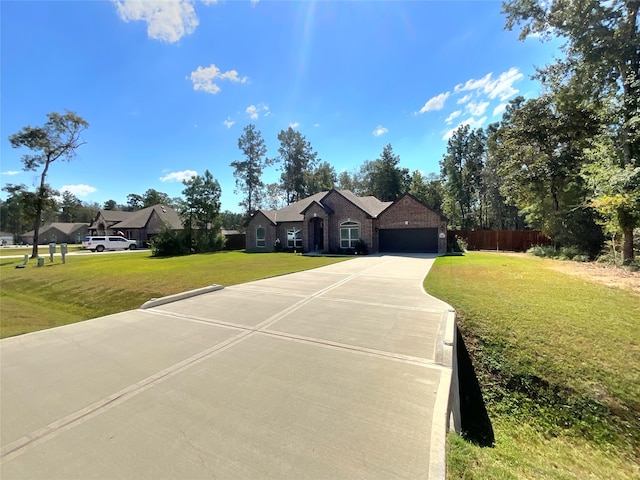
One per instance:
[(423, 240)]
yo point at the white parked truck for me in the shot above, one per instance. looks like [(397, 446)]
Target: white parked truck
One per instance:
[(106, 242)]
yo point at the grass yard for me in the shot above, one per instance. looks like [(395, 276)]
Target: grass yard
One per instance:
[(42, 250), (558, 362), (93, 285)]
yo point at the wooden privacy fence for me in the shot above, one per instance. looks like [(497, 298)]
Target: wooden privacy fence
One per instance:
[(511, 240)]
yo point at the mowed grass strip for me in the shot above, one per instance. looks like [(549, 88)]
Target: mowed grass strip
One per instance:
[(43, 250), (94, 285), (558, 361)]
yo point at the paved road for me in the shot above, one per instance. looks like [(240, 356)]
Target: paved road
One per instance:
[(339, 372)]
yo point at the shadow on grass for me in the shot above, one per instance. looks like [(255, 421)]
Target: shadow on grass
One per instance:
[(475, 421)]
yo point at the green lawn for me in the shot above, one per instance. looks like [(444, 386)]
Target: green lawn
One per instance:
[(558, 362), (93, 285), (42, 250), (557, 357)]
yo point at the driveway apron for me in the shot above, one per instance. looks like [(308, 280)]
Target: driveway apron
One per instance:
[(330, 373)]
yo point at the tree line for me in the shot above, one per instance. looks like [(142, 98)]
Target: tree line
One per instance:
[(566, 162)]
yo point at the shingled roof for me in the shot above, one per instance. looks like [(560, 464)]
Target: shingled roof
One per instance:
[(370, 205), (295, 212), (140, 218), (114, 215), (66, 228)]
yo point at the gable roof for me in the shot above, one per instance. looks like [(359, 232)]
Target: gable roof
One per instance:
[(62, 227), (140, 218), (270, 215), (326, 208), (292, 212), (369, 205), (68, 228), (114, 215), (295, 211)]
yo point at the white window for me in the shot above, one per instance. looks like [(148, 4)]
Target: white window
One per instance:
[(261, 237), (294, 238), (349, 234)]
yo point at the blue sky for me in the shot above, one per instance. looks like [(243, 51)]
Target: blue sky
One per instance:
[(168, 86)]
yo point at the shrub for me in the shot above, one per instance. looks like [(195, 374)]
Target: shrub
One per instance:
[(169, 242), (361, 248), (562, 253), (567, 253), (538, 251), (209, 241), (458, 244)]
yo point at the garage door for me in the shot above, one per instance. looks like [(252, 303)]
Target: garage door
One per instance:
[(423, 240)]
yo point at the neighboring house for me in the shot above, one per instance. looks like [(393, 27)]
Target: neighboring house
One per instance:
[(6, 238), (141, 225), (335, 221), (58, 232)]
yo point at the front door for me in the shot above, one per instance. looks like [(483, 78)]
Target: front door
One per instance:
[(317, 235)]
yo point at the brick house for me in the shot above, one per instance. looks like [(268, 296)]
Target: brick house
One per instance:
[(335, 221), (57, 232), (141, 225)]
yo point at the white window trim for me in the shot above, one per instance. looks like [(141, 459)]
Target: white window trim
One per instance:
[(297, 241), (350, 226), (261, 242)]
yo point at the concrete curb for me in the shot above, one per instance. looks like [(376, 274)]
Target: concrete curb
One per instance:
[(446, 412), (451, 349), (154, 302)]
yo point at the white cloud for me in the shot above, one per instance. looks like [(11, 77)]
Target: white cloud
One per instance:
[(79, 190), (465, 99), (473, 84), (472, 122), (167, 21), (316, 124), (178, 176), (453, 116), (228, 122), (380, 131), (294, 125), (501, 87), (254, 111), (435, 103), (499, 109), (10, 172), (477, 109), (203, 78)]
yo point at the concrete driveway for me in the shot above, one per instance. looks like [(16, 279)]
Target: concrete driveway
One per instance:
[(335, 373)]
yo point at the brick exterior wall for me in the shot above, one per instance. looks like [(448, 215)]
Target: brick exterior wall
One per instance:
[(408, 212), (259, 220), (308, 241), (346, 211)]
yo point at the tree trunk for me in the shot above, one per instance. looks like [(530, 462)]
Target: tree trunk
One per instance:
[(39, 206), (36, 225), (627, 246)]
